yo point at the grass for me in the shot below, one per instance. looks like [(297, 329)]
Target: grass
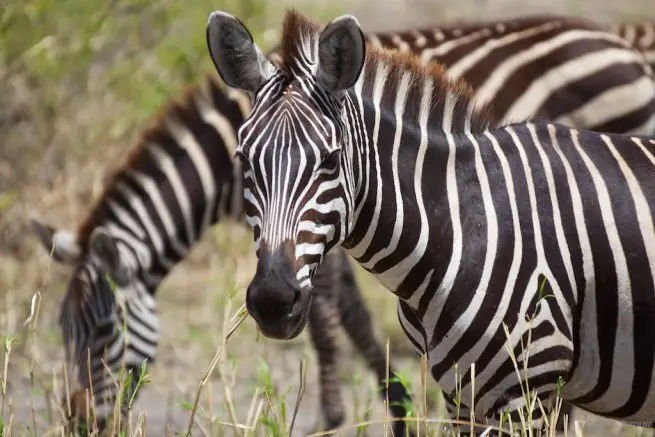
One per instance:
[(78, 80), (272, 410)]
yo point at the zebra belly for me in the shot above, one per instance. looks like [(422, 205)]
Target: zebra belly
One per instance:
[(496, 387)]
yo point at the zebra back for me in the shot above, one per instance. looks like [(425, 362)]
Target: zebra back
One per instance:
[(563, 69)]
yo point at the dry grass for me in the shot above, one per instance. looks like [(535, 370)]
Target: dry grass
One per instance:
[(77, 82)]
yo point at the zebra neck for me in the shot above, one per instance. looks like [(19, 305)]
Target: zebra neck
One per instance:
[(158, 221), (406, 160), (179, 181)]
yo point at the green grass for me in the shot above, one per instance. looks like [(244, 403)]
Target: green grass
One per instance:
[(78, 81)]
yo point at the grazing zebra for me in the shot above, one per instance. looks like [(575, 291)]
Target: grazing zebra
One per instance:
[(641, 35), (178, 182), (568, 40), (512, 226)]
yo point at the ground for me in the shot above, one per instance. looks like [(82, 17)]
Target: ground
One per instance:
[(77, 84)]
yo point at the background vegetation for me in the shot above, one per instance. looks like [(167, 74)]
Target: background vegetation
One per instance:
[(78, 81)]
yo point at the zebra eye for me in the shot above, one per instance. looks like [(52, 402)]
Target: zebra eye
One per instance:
[(331, 160)]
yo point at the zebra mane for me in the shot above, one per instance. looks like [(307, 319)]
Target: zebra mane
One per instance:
[(461, 27), (139, 157), (399, 63), (299, 38), (299, 45)]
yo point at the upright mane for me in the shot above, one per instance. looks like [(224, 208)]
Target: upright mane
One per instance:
[(299, 44), (299, 40), (400, 63)]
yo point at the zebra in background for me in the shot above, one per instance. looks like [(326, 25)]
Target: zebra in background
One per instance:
[(641, 35), (556, 68), (570, 41), (334, 152), (178, 182)]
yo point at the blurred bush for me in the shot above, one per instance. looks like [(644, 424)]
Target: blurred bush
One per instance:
[(80, 78), (141, 50)]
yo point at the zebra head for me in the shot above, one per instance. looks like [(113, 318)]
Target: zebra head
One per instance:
[(295, 152), (90, 313)]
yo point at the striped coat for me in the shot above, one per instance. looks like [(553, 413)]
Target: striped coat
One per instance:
[(226, 115), (494, 236)]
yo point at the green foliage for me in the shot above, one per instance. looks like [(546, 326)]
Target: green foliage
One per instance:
[(141, 51)]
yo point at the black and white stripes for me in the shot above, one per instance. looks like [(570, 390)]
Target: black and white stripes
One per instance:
[(179, 181), (561, 69), (161, 203), (475, 225), (641, 35)]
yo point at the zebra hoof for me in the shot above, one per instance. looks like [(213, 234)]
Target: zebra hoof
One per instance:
[(324, 431), (400, 429), (332, 420)]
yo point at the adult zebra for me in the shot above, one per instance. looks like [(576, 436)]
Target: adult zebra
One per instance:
[(565, 43), (506, 215), (178, 182), (641, 35)]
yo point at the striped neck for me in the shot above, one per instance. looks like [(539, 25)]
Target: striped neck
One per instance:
[(178, 182), (410, 115)]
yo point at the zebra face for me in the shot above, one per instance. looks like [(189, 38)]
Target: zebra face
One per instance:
[(89, 310), (295, 152), (294, 225)]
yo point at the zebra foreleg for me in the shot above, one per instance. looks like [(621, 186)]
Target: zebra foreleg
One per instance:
[(323, 324), (356, 320)]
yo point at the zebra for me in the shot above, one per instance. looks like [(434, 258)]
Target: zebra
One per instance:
[(547, 66), (178, 182), (620, 65), (641, 35), (334, 152)]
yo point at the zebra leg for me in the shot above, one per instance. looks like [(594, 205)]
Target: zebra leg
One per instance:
[(323, 325), (356, 320)]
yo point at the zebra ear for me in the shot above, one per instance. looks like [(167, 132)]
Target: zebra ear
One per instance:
[(104, 248), (341, 54), (66, 248), (238, 60)]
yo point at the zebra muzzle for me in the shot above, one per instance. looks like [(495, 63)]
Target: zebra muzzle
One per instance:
[(275, 299)]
